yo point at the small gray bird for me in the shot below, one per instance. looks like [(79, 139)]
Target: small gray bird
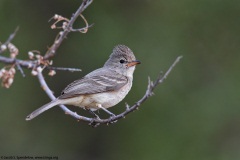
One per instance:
[(101, 88)]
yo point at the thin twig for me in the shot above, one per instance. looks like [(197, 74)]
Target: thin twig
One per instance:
[(10, 38), (96, 121), (30, 64), (160, 80), (82, 30), (64, 69), (20, 69), (52, 50)]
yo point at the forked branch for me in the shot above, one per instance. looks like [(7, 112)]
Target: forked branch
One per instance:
[(37, 62)]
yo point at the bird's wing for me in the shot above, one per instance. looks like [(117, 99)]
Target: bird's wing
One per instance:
[(94, 84)]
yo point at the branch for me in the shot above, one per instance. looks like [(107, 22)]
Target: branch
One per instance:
[(23, 63), (52, 50), (32, 64), (97, 121)]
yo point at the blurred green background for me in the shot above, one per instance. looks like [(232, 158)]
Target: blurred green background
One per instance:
[(195, 113)]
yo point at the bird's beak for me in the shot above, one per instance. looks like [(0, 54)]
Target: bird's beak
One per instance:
[(133, 63)]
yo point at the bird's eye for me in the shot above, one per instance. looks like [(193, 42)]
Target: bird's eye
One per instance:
[(122, 61)]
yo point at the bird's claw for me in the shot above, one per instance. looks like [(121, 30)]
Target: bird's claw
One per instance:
[(111, 121), (93, 123)]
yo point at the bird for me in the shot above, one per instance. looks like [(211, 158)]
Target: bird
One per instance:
[(100, 89)]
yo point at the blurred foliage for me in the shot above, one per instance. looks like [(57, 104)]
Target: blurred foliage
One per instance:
[(193, 115)]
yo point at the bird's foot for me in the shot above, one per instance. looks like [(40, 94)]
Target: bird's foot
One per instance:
[(93, 123), (111, 119)]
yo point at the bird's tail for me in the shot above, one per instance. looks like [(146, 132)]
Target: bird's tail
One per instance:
[(42, 109)]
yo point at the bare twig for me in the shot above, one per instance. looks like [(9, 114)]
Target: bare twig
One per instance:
[(30, 64), (64, 69), (10, 38), (82, 30), (97, 121), (20, 69), (52, 50)]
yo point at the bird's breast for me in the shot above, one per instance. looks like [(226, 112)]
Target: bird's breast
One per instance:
[(109, 99)]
